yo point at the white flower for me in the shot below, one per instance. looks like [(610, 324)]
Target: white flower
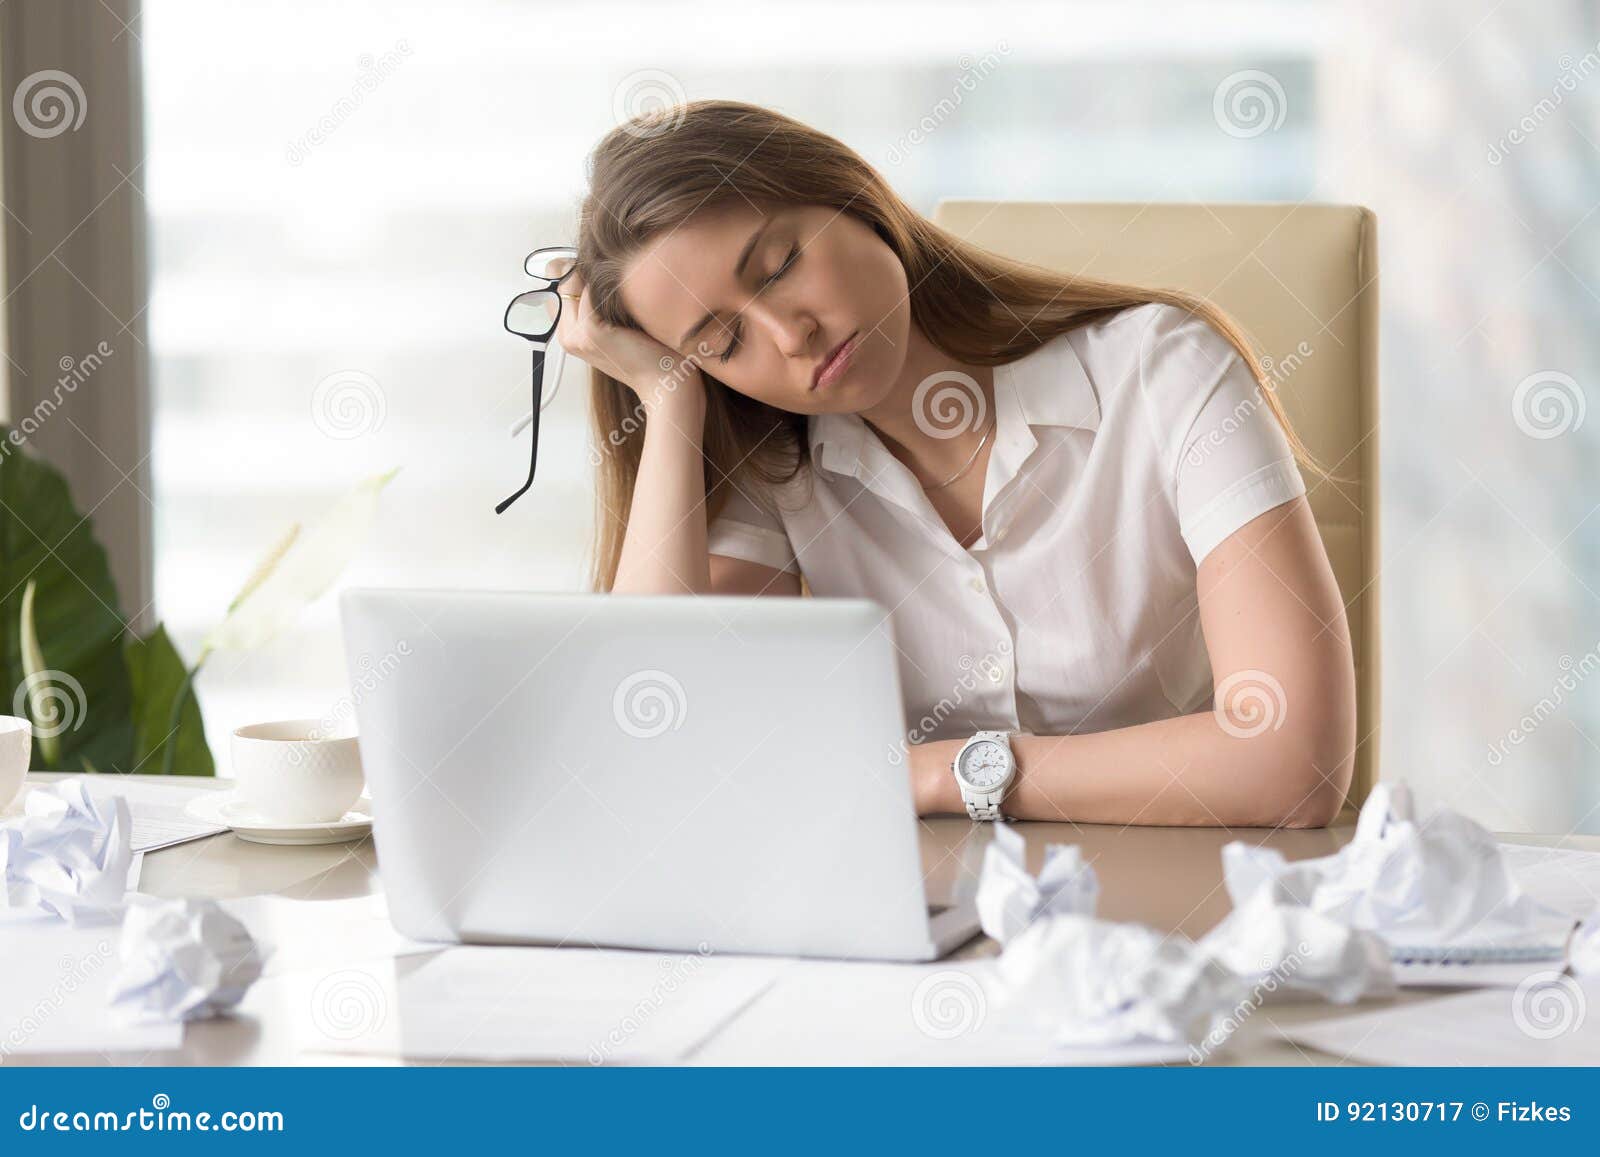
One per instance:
[(297, 569)]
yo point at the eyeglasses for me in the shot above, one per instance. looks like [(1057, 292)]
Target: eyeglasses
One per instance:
[(533, 315)]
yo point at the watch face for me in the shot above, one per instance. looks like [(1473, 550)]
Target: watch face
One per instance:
[(984, 765)]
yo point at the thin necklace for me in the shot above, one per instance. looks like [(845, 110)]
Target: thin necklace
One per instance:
[(982, 442)]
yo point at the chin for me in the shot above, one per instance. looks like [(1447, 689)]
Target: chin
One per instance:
[(868, 383), (850, 398)]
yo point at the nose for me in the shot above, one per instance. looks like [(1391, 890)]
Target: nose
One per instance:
[(793, 330)]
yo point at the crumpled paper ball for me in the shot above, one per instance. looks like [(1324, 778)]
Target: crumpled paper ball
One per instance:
[(182, 959), (1272, 943), (1098, 982), (1104, 983), (1009, 898), (1437, 884), (67, 855), (1583, 953)]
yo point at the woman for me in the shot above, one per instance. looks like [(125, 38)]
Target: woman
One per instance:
[(1078, 501)]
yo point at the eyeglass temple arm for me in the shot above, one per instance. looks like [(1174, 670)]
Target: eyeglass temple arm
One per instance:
[(555, 358), (533, 447)]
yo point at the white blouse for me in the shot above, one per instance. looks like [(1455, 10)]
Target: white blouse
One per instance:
[(1125, 451)]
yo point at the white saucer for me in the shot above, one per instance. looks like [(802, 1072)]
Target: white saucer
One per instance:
[(227, 809)]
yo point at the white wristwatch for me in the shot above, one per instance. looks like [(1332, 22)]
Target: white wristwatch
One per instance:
[(984, 769)]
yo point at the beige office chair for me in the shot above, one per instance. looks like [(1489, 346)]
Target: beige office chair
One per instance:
[(1288, 274)]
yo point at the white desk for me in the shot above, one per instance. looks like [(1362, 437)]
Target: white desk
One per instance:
[(1168, 878)]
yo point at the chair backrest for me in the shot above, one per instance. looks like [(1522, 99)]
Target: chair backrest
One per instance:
[(1302, 282)]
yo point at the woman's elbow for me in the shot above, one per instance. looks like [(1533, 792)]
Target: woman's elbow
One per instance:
[(1316, 772), (1307, 753)]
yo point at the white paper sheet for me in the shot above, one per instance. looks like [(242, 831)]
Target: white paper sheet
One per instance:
[(567, 1005), (159, 820), (54, 981), (822, 1012), (1492, 1026), (298, 934)]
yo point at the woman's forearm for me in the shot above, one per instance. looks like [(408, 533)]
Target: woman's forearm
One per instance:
[(1183, 771), (1276, 749), (664, 549)]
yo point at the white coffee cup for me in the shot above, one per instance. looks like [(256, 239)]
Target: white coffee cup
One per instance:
[(16, 749), (291, 771)]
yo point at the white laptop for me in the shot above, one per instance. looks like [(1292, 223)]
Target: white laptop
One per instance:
[(711, 774)]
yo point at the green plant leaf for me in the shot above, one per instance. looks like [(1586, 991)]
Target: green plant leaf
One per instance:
[(158, 674), (46, 539)]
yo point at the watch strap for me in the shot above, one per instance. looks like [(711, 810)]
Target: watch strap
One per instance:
[(985, 807)]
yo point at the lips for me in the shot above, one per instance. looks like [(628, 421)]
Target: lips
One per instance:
[(830, 369)]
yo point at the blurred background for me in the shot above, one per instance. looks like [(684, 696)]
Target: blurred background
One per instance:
[(334, 201)]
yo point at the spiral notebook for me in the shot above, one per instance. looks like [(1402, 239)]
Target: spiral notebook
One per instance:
[(1480, 967), (1564, 880), (1478, 954), (1476, 965)]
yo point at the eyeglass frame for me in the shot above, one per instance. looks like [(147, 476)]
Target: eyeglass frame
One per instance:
[(540, 343)]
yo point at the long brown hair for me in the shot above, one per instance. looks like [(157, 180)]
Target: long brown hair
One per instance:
[(653, 172)]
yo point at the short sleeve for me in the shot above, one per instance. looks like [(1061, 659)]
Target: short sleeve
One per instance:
[(749, 531), (1233, 460)]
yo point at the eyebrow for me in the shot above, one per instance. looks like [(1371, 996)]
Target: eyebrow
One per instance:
[(738, 271)]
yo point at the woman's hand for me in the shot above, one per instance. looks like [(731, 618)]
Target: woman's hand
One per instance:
[(933, 787), (657, 375)]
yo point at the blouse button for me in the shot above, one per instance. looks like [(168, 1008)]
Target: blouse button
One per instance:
[(996, 675), (977, 585)]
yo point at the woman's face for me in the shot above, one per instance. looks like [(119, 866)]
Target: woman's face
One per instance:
[(764, 318)]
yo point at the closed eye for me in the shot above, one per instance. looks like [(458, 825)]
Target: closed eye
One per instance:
[(788, 263)]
